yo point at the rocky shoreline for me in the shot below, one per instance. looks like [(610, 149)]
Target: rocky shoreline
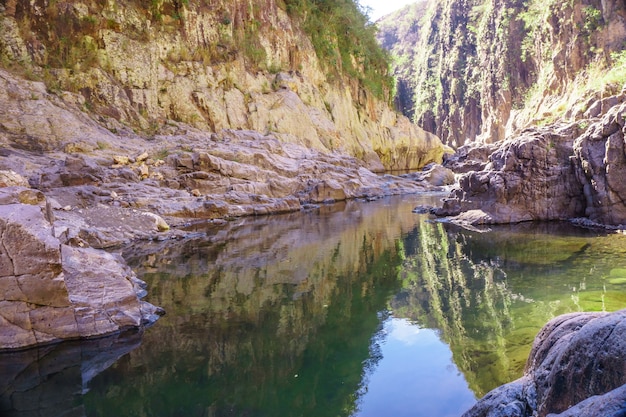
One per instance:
[(70, 188), (559, 172), (153, 138)]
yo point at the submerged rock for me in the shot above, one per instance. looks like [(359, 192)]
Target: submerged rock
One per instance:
[(577, 367)]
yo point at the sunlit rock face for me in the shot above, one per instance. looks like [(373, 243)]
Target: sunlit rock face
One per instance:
[(527, 178), (576, 368), (150, 66), (51, 291), (482, 72)]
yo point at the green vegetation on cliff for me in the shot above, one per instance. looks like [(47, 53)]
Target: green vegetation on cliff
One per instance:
[(345, 42), (479, 70), (64, 36)]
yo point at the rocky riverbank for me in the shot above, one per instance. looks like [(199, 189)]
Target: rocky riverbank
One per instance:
[(576, 368), (70, 188), (559, 172)]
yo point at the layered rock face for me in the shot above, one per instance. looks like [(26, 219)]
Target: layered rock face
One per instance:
[(576, 368), (94, 178), (527, 178), (224, 65), (51, 291), (554, 173), (482, 70)]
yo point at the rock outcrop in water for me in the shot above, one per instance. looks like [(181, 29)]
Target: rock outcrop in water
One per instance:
[(557, 172), (576, 368), (600, 164), (52, 291)]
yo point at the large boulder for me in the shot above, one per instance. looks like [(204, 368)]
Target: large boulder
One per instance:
[(557, 172), (50, 291), (577, 367)]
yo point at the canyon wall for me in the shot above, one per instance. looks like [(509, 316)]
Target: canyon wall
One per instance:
[(480, 70), (218, 65)]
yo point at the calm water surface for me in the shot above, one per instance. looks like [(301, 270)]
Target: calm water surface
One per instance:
[(354, 310)]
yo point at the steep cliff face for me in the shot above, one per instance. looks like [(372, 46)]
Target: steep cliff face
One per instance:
[(219, 65), (481, 70)]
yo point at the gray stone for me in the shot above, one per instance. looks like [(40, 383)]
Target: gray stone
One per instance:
[(50, 292), (577, 367)]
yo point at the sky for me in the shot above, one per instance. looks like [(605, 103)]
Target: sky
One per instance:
[(383, 7)]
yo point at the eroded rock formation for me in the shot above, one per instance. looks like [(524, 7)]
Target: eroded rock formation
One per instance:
[(52, 291), (576, 368), (558, 172), (527, 178)]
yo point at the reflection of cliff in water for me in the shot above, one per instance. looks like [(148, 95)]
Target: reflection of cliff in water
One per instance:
[(490, 293), (267, 316), (50, 380)]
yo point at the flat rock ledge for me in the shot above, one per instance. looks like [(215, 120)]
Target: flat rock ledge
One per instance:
[(51, 291), (577, 367)]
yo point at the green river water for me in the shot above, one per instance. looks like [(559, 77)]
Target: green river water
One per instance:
[(356, 309)]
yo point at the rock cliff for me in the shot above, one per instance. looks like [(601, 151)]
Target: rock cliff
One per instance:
[(218, 65), (479, 71), (531, 96)]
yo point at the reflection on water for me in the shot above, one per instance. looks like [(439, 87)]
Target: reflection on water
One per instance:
[(490, 293), (356, 310), (415, 377), (51, 380)]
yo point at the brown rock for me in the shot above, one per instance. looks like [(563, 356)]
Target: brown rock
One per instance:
[(50, 292), (527, 178), (10, 178)]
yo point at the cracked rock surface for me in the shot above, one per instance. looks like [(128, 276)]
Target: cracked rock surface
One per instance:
[(577, 367), (52, 291)]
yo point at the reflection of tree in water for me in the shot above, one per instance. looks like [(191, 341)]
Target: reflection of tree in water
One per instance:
[(490, 293), (283, 331)]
